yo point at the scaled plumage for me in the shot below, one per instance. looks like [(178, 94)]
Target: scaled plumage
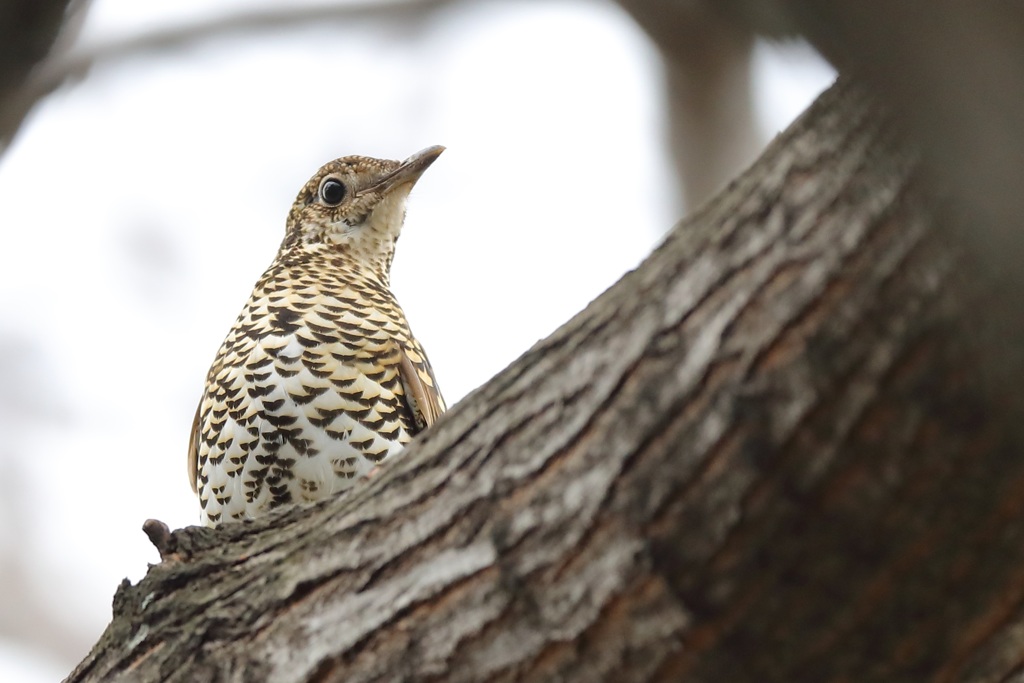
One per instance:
[(320, 379)]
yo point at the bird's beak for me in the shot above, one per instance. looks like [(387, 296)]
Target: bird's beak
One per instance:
[(408, 172)]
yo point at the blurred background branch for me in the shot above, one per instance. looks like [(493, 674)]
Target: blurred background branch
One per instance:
[(42, 54), (31, 33), (706, 49)]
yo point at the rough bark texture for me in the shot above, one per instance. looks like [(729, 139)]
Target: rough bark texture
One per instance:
[(764, 455)]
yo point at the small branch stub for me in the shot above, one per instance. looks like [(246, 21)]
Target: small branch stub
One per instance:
[(160, 536)]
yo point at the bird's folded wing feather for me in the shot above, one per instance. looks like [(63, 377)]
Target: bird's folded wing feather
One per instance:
[(424, 399), (193, 452)]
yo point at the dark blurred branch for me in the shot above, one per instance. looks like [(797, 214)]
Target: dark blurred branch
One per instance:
[(28, 31), (28, 86), (400, 13)]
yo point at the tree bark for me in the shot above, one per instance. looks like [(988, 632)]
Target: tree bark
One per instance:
[(765, 455)]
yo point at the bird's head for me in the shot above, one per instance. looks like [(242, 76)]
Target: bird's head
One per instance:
[(357, 206)]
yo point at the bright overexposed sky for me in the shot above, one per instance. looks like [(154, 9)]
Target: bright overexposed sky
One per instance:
[(141, 204)]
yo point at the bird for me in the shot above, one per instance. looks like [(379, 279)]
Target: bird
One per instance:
[(320, 379)]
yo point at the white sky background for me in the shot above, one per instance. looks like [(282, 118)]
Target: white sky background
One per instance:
[(139, 207)]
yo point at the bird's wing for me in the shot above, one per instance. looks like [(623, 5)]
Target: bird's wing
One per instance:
[(193, 452), (421, 391)]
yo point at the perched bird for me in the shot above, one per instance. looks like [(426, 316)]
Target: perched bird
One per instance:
[(320, 379)]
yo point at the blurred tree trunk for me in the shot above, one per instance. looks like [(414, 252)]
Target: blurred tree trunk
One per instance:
[(766, 455), (711, 126), (952, 74)]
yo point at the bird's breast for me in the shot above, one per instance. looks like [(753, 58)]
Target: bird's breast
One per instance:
[(305, 396)]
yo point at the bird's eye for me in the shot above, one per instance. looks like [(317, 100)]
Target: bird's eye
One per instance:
[(332, 191)]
